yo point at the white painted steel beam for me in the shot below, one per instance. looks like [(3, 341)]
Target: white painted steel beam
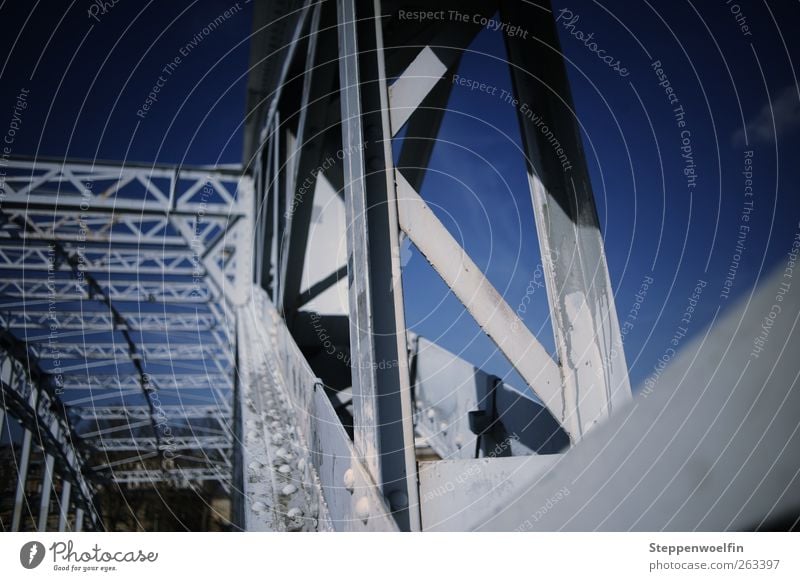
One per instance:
[(182, 477), (63, 289), (20, 498), (145, 444), (147, 351), (275, 373), (381, 393), (37, 318), (71, 184), (484, 303), (452, 491), (581, 297), (187, 412), (63, 509), (408, 91), (164, 381), (711, 443), (47, 488), (34, 256)]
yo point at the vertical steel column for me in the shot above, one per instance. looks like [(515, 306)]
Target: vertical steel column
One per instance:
[(383, 427), (66, 490), (278, 177), (267, 216), (309, 152), (583, 314), (47, 487), (258, 229), (22, 469), (22, 477), (298, 208)]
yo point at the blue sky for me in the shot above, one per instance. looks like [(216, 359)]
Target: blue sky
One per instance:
[(88, 80), (655, 227)]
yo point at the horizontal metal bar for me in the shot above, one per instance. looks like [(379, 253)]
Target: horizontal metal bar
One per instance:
[(205, 443), (150, 352), (180, 476), (174, 381), (104, 321), (188, 412), (188, 398), (36, 256), (145, 291), (76, 184)]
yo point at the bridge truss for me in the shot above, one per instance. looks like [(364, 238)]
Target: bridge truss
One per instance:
[(196, 325), (121, 282)]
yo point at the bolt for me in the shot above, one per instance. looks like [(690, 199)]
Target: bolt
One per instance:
[(398, 500), (349, 480)]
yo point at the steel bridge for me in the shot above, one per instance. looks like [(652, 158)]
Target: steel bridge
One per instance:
[(187, 326)]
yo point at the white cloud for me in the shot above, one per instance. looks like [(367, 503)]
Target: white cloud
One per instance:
[(784, 112)]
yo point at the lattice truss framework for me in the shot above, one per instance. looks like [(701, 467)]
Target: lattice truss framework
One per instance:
[(122, 282)]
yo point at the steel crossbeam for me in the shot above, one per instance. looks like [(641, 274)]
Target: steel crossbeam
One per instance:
[(202, 443), (136, 290), (35, 256), (116, 187), (148, 351), (176, 381), (188, 412), (179, 476), (38, 318)]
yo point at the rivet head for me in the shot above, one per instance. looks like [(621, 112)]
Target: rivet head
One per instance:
[(398, 500), (349, 480), (362, 509)]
